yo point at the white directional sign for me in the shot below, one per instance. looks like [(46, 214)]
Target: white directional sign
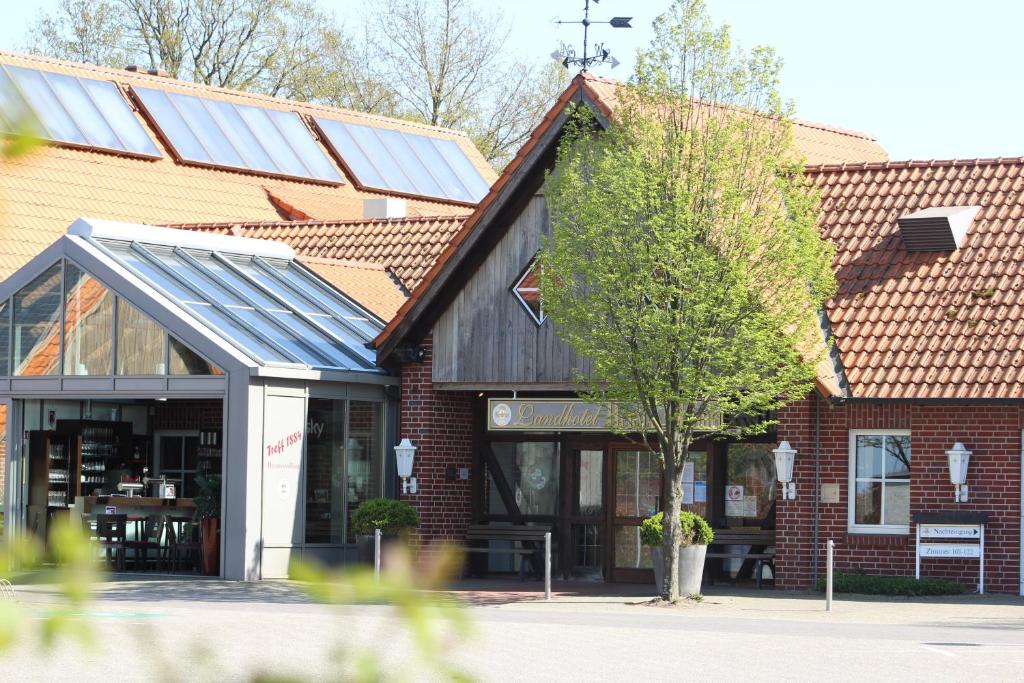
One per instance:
[(972, 532), (950, 550)]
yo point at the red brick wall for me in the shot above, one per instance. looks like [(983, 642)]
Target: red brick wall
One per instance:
[(440, 425), (993, 433)]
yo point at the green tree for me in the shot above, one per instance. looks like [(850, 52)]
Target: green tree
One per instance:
[(684, 261), (446, 61), (267, 46)]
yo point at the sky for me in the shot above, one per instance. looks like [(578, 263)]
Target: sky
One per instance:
[(931, 79)]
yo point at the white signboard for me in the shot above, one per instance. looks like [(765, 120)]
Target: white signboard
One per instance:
[(972, 532), (734, 492), (951, 550)]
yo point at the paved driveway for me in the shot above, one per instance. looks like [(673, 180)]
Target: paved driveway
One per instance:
[(213, 630)]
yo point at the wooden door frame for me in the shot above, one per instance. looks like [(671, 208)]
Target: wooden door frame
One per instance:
[(571, 445)]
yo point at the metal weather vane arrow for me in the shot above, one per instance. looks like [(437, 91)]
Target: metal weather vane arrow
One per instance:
[(602, 55)]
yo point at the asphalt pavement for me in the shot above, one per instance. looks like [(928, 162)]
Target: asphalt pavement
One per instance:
[(194, 630)]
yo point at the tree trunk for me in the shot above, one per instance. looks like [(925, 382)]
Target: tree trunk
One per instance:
[(673, 499)]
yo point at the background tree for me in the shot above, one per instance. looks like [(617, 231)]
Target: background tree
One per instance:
[(445, 60), (685, 262), (440, 62)]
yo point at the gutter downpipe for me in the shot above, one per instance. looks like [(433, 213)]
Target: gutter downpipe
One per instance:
[(817, 489), (1021, 575)]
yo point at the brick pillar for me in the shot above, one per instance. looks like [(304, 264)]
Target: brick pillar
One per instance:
[(440, 425)]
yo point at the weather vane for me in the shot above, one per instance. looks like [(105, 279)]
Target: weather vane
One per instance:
[(602, 55)]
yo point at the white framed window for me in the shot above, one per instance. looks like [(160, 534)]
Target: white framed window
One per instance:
[(879, 491)]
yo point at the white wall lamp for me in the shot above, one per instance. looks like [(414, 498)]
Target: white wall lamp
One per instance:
[(959, 459), (785, 455), (405, 454)]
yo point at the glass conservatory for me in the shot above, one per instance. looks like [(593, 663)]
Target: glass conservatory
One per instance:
[(147, 369)]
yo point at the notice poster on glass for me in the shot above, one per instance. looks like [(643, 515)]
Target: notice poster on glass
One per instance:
[(700, 491), (688, 493)]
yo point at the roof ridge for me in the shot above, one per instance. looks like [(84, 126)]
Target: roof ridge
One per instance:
[(913, 163), (850, 132), (350, 263), (201, 87), (317, 222)]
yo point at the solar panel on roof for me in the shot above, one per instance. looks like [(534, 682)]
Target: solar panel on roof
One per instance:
[(239, 136), (397, 161), (79, 111)]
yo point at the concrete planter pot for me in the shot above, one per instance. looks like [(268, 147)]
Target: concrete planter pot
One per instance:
[(691, 567)]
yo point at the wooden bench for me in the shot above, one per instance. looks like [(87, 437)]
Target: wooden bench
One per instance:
[(755, 538), (531, 538)]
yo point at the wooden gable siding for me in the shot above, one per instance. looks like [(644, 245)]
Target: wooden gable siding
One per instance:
[(485, 337)]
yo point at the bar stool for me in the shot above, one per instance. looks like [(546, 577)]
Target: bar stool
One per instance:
[(111, 538)]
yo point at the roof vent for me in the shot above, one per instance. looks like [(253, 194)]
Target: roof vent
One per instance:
[(387, 207), (136, 69), (939, 228)]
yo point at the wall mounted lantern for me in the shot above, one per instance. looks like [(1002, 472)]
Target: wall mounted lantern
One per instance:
[(405, 454), (959, 459), (785, 455)]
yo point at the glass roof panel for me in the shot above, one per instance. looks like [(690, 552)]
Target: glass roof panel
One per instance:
[(445, 175), (389, 159), (349, 151), (206, 130), (272, 318), (301, 281), (301, 140), (55, 120), (288, 162), (410, 162), (111, 102), (81, 111), (390, 170), (149, 272), (247, 144), (463, 167), (238, 136), (172, 125)]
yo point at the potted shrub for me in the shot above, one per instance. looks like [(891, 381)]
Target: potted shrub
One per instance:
[(394, 518), (207, 503), (697, 535)]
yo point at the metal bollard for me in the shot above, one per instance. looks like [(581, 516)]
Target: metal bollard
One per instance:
[(376, 553), (828, 574), (547, 565)]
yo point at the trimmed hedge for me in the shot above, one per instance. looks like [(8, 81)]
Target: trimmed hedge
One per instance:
[(867, 584), (696, 530), (390, 516)]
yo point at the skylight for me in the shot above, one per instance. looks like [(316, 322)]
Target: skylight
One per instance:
[(221, 133), (262, 304), (396, 161), (76, 111)]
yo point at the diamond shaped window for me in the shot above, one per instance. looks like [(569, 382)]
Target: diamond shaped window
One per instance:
[(527, 290)]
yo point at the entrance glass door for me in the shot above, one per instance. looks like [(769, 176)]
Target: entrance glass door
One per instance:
[(636, 491), (586, 517)]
